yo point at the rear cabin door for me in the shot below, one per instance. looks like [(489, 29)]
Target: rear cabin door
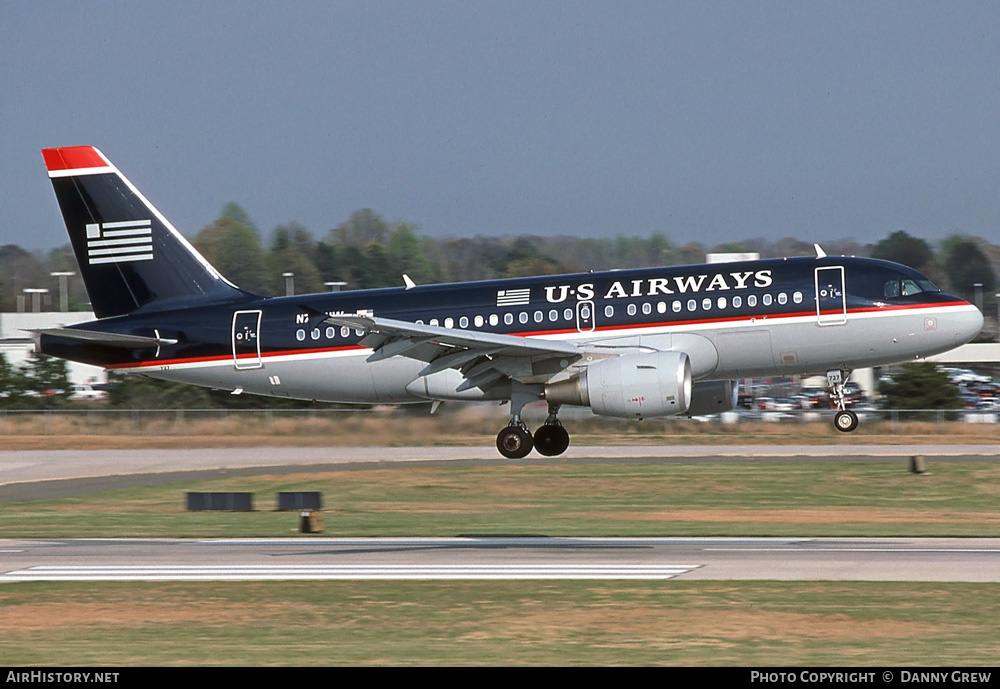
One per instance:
[(246, 339), (831, 296)]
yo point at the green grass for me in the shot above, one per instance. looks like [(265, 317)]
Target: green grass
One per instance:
[(524, 622), (490, 623), (739, 499)]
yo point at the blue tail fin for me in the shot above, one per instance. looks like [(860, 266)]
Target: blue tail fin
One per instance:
[(131, 258)]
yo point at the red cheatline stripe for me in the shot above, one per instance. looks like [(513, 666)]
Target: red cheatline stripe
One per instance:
[(605, 330), (72, 158)]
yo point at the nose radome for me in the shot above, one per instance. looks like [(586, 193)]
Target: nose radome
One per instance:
[(968, 323)]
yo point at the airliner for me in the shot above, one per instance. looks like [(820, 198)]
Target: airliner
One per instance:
[(631, 344)]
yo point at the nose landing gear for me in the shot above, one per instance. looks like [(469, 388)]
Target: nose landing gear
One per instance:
[(845, 420)]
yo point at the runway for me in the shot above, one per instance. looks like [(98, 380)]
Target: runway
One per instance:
[(37, 475), (308, 558)]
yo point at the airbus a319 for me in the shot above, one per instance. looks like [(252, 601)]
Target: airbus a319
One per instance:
[(629, 343)]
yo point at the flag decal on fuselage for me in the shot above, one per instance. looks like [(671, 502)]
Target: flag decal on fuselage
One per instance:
[(513, 297), (119, 242)]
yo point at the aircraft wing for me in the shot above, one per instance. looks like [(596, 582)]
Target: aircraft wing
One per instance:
[(483, 358)]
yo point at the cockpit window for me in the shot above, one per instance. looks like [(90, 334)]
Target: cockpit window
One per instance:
[(907, 287)]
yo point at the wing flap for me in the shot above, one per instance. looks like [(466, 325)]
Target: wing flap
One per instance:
[(484, 359)]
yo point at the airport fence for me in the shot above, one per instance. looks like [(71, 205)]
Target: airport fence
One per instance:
[(472, 419)]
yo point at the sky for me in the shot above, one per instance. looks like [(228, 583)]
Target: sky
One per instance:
[(705, 121)]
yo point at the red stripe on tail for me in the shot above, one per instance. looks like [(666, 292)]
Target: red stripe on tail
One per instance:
[(72, 158)]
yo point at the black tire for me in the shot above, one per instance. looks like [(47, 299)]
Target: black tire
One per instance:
[(845, 421), (551, 440), (514, 442)]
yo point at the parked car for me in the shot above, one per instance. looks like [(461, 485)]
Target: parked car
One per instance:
[(85, 392)]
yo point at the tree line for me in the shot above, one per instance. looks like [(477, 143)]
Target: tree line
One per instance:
[(367, 251)]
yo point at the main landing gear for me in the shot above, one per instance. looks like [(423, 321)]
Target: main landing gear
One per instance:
[(551, 439), (515, 441), (845, 420)]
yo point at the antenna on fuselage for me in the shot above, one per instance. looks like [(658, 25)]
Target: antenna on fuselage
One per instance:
[(819, 251)]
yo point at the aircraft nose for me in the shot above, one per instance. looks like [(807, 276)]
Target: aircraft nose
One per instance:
[(967, 323)]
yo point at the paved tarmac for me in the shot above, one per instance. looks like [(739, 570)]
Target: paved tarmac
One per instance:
[(310, 558)]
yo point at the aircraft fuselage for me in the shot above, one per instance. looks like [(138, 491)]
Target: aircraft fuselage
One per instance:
[(734, 320)]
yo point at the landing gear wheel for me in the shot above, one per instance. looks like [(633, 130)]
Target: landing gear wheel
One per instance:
[(845, 421), (514, 442), (551, 440)]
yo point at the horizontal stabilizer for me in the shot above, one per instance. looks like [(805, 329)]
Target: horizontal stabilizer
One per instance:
[(108, 339)]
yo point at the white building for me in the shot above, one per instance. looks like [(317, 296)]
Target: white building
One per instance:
[(17, 341)]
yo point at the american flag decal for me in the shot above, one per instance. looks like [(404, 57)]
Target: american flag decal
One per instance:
[(119, 242), (513, 297)]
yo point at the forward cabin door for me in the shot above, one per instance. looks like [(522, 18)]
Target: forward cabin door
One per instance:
[(246, 340), (831, 296)]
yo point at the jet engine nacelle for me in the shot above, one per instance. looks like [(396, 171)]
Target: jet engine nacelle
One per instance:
[(713, 397), (633, 386)]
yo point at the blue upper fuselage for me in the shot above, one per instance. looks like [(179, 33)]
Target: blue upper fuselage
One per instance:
[(598, 303)]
